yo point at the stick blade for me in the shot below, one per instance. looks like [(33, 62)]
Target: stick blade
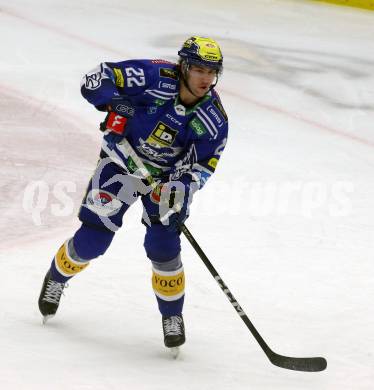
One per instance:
[(311, 364)]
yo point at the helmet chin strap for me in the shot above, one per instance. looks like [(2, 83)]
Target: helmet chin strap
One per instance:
[(185, 68)]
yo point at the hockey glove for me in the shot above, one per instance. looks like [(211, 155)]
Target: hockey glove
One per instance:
[(120, 109), (114, 123)]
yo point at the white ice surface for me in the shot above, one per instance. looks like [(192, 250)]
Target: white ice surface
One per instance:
[(287, 220)]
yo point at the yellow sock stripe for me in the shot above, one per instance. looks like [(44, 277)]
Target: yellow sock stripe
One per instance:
[(168, 286), (366, 4), (65, 264)]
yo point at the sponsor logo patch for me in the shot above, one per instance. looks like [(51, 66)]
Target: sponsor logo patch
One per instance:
[(162, 135), (162, 84), (125, 109), (215, 115), (198, 127), (66, 265), (155, 172), (169, 73), (102, 203), (176, 121), (160, 102), (220, 109), (169, 286), (210, 57), (213, 162), (116, 123), (118, 76)]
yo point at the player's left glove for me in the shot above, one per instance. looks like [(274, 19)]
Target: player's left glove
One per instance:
[(120, 109), (114, 123), (175, 200)]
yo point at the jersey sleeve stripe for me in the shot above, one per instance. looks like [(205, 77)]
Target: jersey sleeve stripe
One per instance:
[(213, 131), (159, 95), (214, 128), (162, 92)]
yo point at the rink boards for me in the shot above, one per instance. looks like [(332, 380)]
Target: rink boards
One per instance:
[(366, 4)]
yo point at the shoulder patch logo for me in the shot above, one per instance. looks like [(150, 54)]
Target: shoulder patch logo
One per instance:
[(169, 73), (162, 135), (220, 109), (93, 81)]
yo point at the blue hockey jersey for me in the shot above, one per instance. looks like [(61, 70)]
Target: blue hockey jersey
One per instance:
[(171, 139)]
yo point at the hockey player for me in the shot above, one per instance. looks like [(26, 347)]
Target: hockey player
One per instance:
[(174, 120)]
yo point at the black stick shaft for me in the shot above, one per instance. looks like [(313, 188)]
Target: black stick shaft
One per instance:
[(311, 364), (225, 289)]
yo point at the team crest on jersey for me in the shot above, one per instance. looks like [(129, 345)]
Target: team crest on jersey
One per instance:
[(156, 152), (169, 73), (93, 80), (162, 135)]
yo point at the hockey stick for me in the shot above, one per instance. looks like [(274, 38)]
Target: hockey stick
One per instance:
[(310, 364)]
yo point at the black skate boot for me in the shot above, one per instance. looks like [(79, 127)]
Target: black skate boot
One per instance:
[(173, 328), (50, 296)]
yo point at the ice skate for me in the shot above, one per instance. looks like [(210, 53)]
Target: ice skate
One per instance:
[(174, 336), (50, 296)]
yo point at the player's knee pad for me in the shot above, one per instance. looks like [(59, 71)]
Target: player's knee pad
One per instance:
[(168, 279), (66, 263), (90, 242), (160, 244)]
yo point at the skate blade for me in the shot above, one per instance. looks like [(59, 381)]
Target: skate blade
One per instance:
[(46, 318), (174, 352)]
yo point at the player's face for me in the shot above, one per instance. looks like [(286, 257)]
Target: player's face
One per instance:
[(200, 79)]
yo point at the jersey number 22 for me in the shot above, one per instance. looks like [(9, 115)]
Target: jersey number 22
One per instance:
[(135, 77)]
